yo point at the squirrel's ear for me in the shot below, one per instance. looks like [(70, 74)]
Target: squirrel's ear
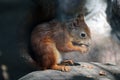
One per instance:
[(80, 16)]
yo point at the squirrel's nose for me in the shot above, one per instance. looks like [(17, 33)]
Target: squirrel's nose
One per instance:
[(83, 35)]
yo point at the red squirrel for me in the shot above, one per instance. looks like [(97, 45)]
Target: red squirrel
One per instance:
[(48, 40)]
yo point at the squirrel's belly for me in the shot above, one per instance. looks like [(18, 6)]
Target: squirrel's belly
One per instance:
[(57, 55)]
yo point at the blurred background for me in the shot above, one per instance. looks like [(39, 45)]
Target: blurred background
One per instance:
[(12, 16), (102, 16)]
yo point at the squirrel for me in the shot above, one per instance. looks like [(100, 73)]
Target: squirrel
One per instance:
[(50, 39)]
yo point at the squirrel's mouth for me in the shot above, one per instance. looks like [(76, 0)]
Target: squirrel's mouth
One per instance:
[(80, 44)]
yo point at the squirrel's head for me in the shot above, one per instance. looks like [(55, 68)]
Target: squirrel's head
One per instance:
[(79, 31)]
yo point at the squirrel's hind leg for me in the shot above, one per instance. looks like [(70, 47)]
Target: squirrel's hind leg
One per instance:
[(50, 57), (58, 59)]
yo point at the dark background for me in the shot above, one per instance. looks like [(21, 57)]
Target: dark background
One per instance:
[(12, 16)]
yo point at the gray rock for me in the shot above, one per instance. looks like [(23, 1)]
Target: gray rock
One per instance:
[(84, 71)]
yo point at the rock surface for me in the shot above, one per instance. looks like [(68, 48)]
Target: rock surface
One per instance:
[(81, 71)]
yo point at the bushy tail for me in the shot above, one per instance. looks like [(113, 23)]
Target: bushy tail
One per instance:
[(36, 15)]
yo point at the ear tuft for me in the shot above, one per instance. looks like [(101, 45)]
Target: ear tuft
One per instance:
[(80, 16)]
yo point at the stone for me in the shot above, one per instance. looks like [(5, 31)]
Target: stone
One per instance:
[(78, 72)]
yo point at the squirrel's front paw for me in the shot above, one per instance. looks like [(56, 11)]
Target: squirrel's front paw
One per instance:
[(67, 62), (84, 49)]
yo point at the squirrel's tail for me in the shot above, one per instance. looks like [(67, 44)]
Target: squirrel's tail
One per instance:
[(35, 16)]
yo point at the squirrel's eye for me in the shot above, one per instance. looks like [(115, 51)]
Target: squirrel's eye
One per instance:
[(83, 35)]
